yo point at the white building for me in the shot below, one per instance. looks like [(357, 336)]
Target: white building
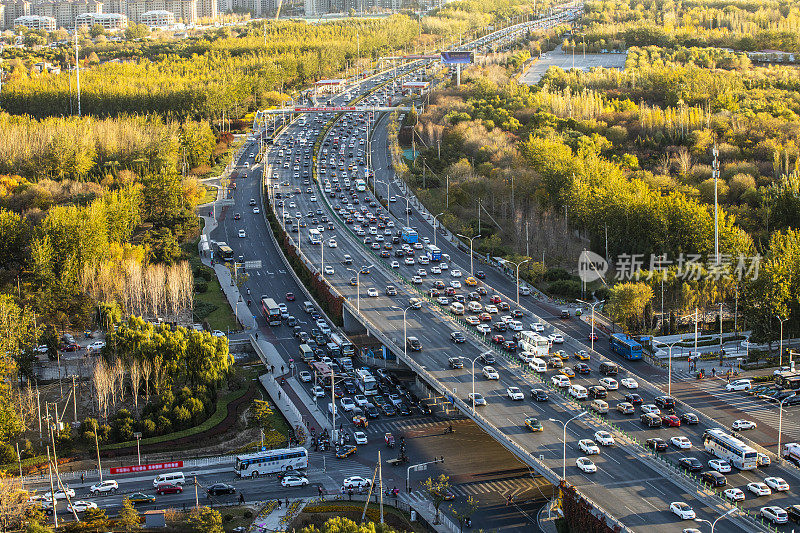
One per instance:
[(108, 21), (35, 22), (158, 19)]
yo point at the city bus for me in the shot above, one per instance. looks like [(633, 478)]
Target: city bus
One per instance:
[(271, 311), (434, 253), (534, 343), (728, 447), (366, 382), (625, 346), (322, 373), (409, 235), (346, 347), (314, 236), (225, 251), (360, 185), (271, 462)]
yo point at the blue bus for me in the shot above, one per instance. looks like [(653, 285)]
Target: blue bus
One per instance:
[(409, 235), (434, 253), (625, 346)]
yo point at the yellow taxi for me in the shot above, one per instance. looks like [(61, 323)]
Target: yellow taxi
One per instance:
[(561, 354), (470, 281), (567, 371), (533, 424), (583, 355)]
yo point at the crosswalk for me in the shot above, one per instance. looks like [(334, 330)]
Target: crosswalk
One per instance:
[(400, 425), (518, 488)]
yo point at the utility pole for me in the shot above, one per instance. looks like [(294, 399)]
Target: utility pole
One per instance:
[(715, 170), (74, 401), (196, 498), (380, 482), (52, 489), (77, 75)]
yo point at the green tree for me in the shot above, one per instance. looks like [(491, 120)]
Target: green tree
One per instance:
[(128, 518), (206, 520), (464, 511), (17, 334), (136, 31), (96, 31), (627, 301), (345, 525), (437, 489), (14, 237)]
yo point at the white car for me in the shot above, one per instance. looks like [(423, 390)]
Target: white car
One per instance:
[(96, 345), (80, 506), (328, 270), (242, 234), (313, 198), (682, 510), (455, 284), (490, 373), (256, 210), (60, 494), (356, 482), (629, 383), (109, 485), (372, 292), (720, 465), (742, 425), (759, 489), (588, 447), (456, 273), (416, 280), (305, 376), (294, 481), (734, 494), (650, 408), (318, 391), (347, 403), (217, 333), (557, 338), (360, 437), (491, 309), (774, 514), (537, 326), (609, 383), (477, 397), (444, 266), (395, 264), (436, 270), (332, 243), (604, 438), (360, 400), (561, 381), (514, 393), (763, 459), (585, 465), (777, 483), (681, 442), (442, 300), (739, 384), (483, 328)]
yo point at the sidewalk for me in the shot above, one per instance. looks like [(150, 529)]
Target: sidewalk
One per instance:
[(276, 515), (547, 519)]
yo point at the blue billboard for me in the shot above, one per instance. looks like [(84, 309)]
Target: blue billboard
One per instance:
[(457, 58)]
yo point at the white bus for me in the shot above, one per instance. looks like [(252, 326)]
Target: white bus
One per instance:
[(360, 185), (728, 447), (270, 462), (532, 342), (314, 236), (366, 382)]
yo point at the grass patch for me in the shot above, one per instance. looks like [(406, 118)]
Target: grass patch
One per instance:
[(209, 196), (317, 514), (214, 305)]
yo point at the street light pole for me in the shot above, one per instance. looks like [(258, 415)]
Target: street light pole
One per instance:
[(434, 226), (780, 423), (592, 305), (519, 265), (564, 464), (358, 289), (669, 371), (780, 354), (405, 338), (473, 376), (714, 523), (470, 239)]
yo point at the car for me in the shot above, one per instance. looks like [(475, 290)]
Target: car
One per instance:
[(588, 446), (743, 425), (256, 210), (774, 514), (734, 494), (372, 292), (626, 408), (557, 338), (540, 395), (489, 372), (720, 465), (472, 320), (391, 290), (140, 497), (538, 327), (371, 411), (763, 459), (739, 385), (328, 270), (96, 346), (356, 482), (514, 393), (294, 481), (665, 402), (609, 383), (777, 483), (555, 362), (671, 421), (629, 383), (455, 363), (317, 391), (103, 487), (592, 336), (759, 489), (561, 381), (713, 478), (690, 464), (289, 296), (168, 488), (456, 273), (347, 404), (476, 398), (585, 465), (648, 408), (681, 442), (487, 358), (689, 418), (413, 344), (483, 329), (455, 284), (656, 443), (60, 494), (79, 506), (583, 355), (794, 512), (360, 437), (242, 234), (561, 354), (395, 264), (480, 274), (604, 438), (533, 424), (220, 488), (567, 371), (457, 337), (682, 510)]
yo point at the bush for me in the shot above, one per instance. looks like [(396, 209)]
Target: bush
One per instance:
[(200, 286), (7, 453), (556, 274), (567, 288), (203, 309), (248, 514), (227, 518)]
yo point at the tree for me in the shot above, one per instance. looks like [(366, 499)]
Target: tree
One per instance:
[(136, 31), (345, 525), (627, 301), (128, 517), (206, 520), (96, 31), (15, 508), (17, 334), (437, 489), (464, 511)]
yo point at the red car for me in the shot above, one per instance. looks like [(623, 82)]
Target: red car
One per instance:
[(510, 346), (498, 339), (168, 488), (485, 317), (495, 299), (450, 291), (289, 296), (592, 336), (385, 253), (671, 421)]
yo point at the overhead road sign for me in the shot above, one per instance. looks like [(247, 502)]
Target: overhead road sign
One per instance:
[(457, 58)]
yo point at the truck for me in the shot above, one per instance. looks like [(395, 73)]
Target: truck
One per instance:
[(791, 452)]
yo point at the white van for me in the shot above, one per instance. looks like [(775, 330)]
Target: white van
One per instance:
[(474, 307), (173, 478), (538, 365), (514, 325), (457, 308), (599, 406), (524, 290), (578, 392)]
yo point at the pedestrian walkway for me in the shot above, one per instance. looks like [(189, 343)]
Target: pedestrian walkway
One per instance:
[(276, 515)]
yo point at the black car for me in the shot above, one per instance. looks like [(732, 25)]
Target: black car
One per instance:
[(597, 391), (500, 326), (691, 464), (540, 395), (220, 488), (713, 478), (371, 411), (480, 274), (457, 337), (403, 409), (455, 362), (657, 444), (665, 402), (473, 297), (388, 409), (290, 472), (297, 331), (291, 321), (487, 359), (689, 418), (794, 512), (349, 386), (582, 368), (634, 398)]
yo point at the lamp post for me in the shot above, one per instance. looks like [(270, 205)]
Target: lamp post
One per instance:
[(434, 226), (564, 464), (408, 220), (592, 305), (780, 423), (470, 239), (138, 436), (714, 523), (473, 375), (388, 209), (519, 265), (669, 368), (780, 354)]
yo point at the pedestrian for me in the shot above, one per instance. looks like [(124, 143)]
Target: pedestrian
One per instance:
[(241, 499), (256, 335), (281, 369), (713, 372), (83, 477), (287, 502), (319, 489), (350, 493), (279, 395)]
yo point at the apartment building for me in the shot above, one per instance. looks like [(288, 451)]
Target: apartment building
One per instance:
[(36, 22), (184, 11), (108, 21), (66, 13), (158, 19), (12, 11)]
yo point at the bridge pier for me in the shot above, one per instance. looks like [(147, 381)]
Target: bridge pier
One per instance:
[(351, 324)]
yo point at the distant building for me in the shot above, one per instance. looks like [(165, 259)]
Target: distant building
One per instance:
[(66, 12), (184, 11), (36, 22), (43, 66), (772, 56), (158, 19), (207, 9), (108, 21), (14, 10)]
